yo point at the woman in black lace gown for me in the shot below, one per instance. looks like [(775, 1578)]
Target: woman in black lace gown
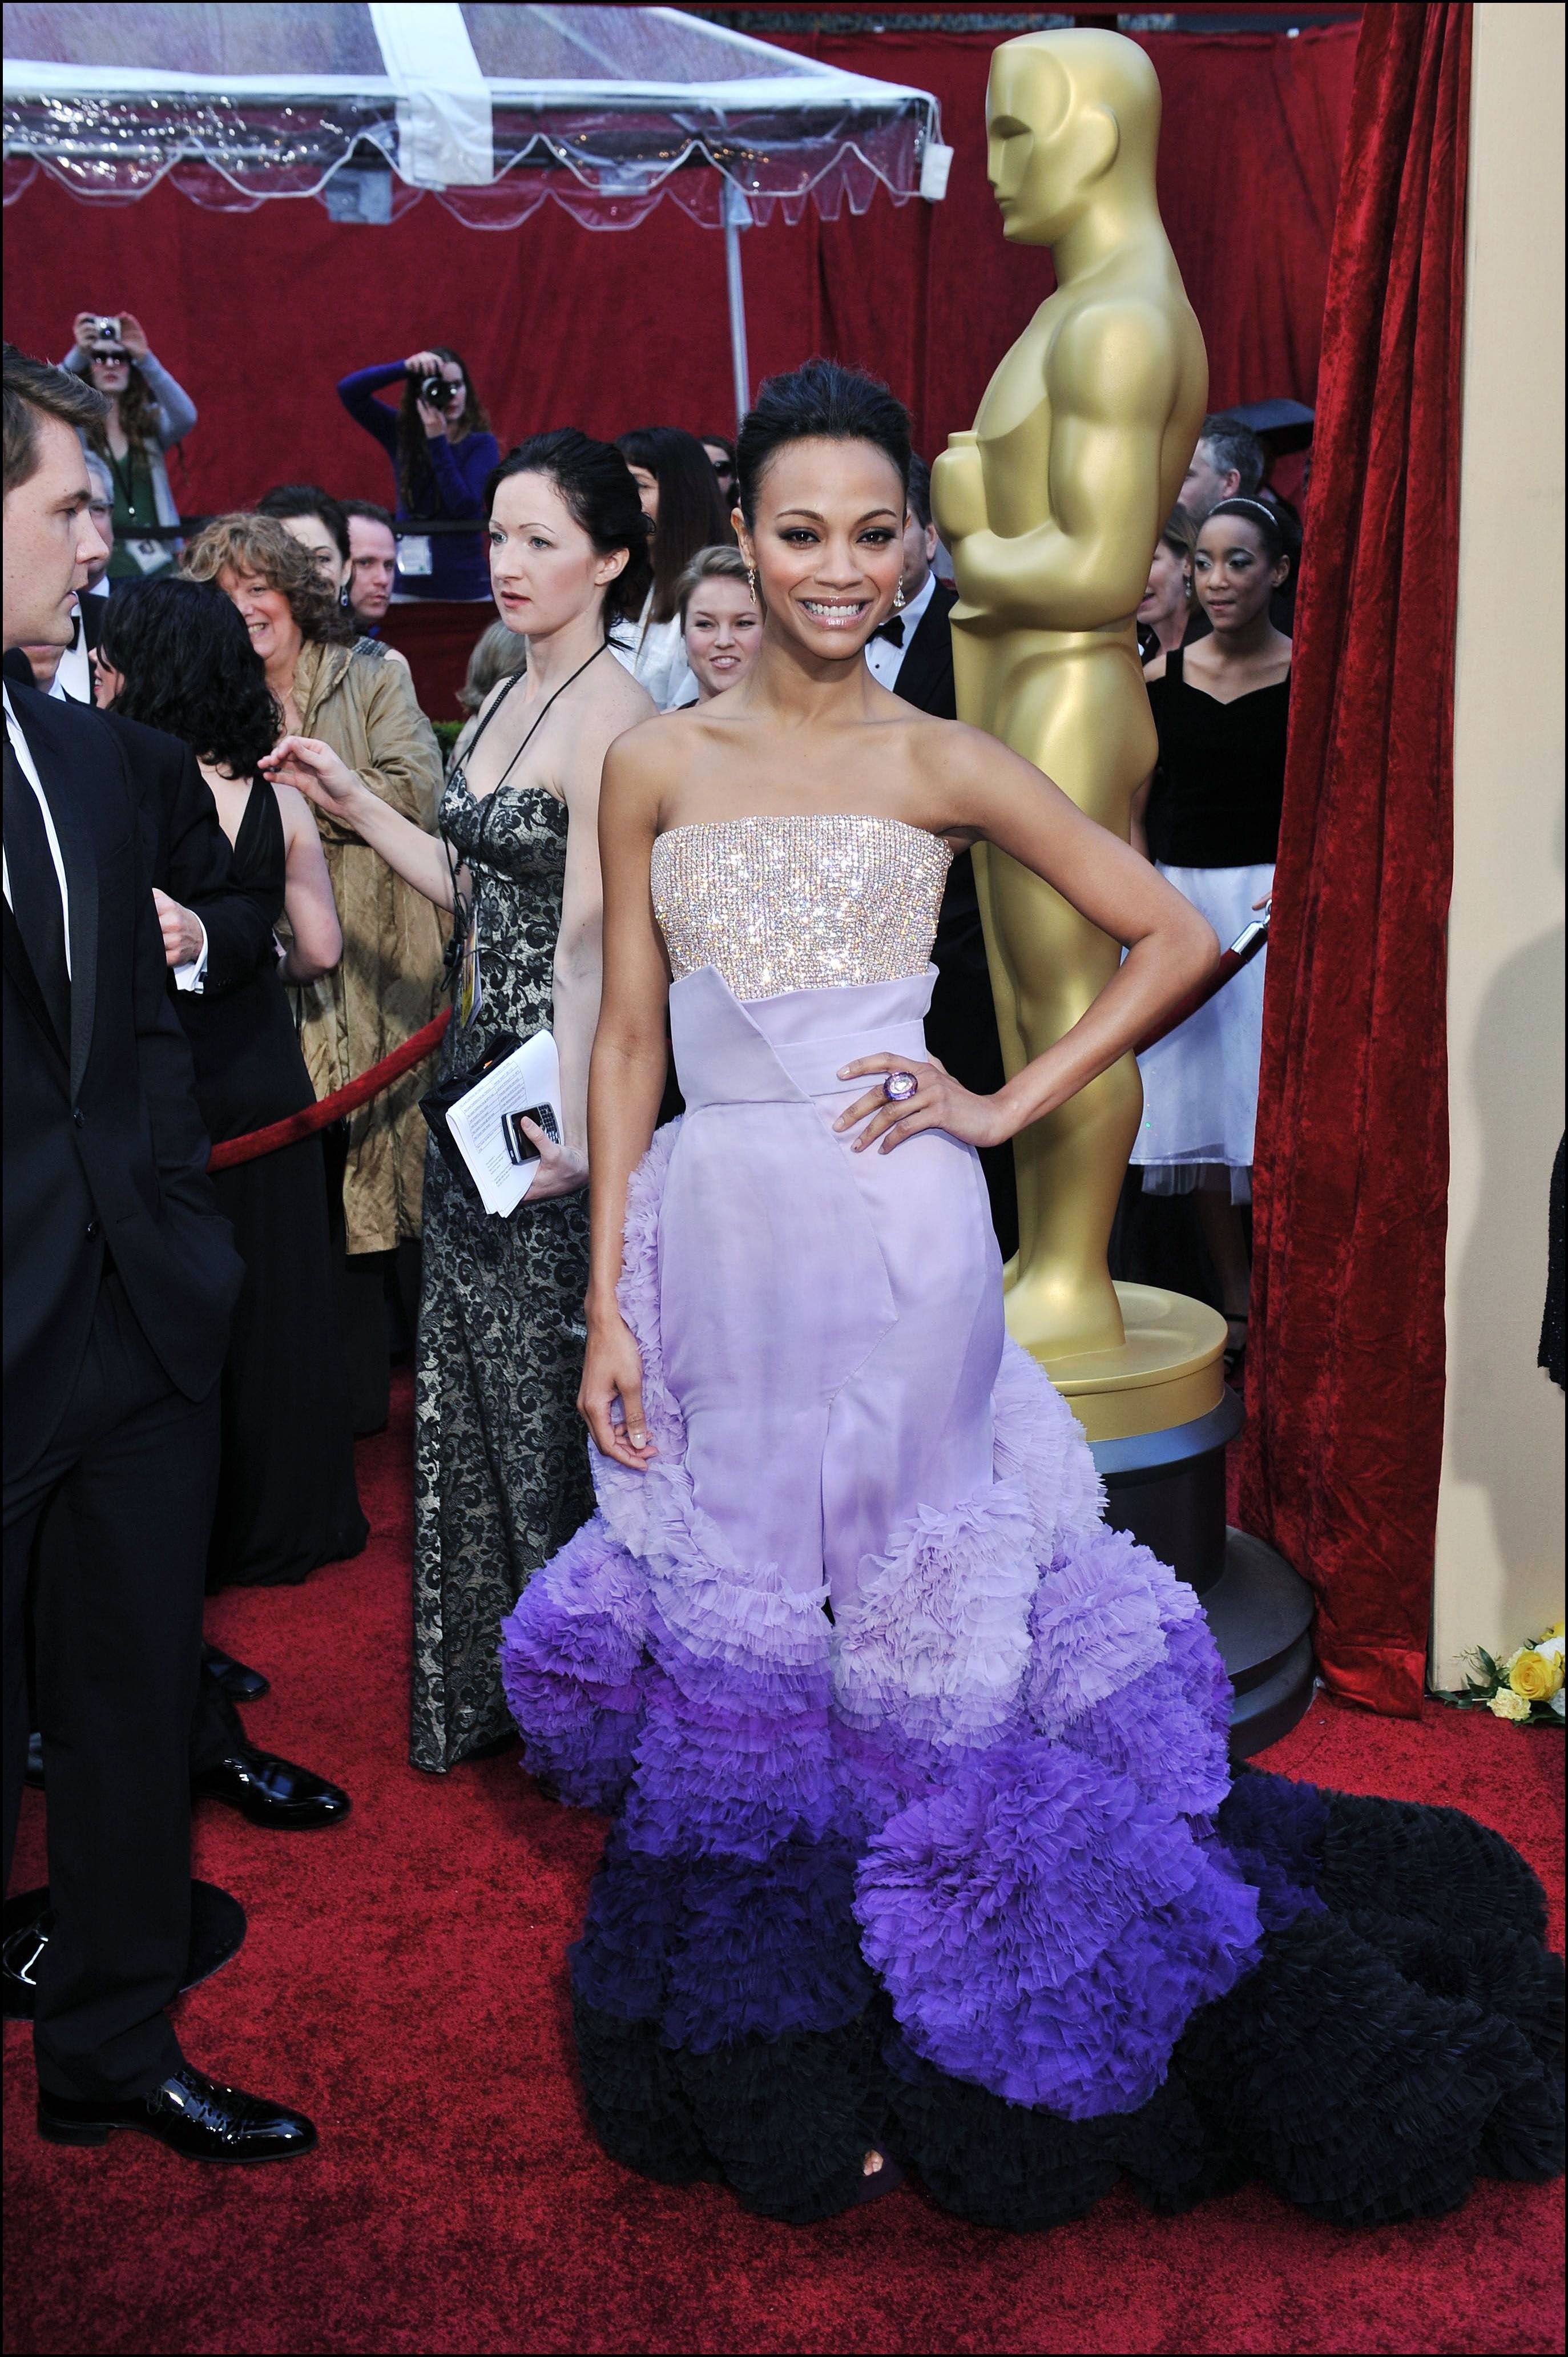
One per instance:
[(501, 1473), (177, 656)]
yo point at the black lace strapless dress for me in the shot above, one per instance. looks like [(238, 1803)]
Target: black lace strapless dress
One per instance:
[(501, 1459)]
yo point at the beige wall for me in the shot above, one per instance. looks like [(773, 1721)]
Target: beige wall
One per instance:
[(1501, 1514)]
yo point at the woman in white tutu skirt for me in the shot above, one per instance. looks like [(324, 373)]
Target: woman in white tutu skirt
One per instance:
[(1220, 706)]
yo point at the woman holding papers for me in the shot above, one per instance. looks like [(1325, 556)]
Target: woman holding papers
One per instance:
[(502, 1475)]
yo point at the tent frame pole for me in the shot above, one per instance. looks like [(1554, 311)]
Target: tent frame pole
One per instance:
[(736, 307)]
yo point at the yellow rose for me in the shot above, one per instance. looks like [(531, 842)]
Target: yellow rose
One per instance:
[(1535, 1678), (1505, 1704)]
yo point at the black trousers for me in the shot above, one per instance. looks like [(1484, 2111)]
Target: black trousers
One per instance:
[(117, 1628)]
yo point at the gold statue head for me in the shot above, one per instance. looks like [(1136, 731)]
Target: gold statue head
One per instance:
[(1071, 118)]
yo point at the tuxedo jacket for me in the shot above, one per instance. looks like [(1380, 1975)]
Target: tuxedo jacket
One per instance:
[(924, 675), (187, 851), (105, 1156), (962, 1027)]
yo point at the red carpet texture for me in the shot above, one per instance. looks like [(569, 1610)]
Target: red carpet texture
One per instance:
[(404, 1982)]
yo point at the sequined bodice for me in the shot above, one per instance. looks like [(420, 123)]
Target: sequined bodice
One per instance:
[(808, 902)]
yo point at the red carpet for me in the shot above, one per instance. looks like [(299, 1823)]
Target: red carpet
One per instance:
[(404, 1981)]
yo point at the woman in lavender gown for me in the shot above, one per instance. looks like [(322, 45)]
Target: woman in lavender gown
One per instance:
[(926, 1850)]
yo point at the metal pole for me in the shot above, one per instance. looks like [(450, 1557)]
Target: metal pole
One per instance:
[(737, 215)]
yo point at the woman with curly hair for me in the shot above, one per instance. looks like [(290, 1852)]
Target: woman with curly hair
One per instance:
[(148, 413), (176, 656), (341, 690)]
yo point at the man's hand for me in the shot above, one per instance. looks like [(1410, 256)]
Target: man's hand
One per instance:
[(181, 931)]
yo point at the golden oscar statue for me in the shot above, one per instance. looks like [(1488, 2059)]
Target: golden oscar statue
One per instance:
[(1051, 508)]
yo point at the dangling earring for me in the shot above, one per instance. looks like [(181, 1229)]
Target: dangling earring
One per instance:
[(751, 582), (899, 597)]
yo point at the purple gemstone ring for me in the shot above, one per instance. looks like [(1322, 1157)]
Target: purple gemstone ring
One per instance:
[(900, 1087)]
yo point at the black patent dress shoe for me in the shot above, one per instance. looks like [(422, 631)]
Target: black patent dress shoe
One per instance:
[(190, 2112), (273, 1792), (239, 1683), (216, 1932)]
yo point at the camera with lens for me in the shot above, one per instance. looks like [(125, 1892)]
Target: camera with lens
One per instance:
[(437, 392), (104, 331)]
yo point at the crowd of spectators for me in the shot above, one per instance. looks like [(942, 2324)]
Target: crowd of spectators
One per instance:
[(334, 674)]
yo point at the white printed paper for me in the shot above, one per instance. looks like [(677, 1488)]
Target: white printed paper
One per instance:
[(413, 556), (529, 1076)]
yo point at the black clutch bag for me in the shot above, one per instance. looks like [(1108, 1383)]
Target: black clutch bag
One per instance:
[(437, 1102)]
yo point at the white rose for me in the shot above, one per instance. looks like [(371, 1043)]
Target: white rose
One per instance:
[(1505, 1704), (1557, 1702), (1552, 1647)]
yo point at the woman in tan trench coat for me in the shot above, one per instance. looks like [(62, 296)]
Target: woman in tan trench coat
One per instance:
[(345, 693)]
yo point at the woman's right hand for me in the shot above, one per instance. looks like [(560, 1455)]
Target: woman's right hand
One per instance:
[(612, 1371), (322, 776)]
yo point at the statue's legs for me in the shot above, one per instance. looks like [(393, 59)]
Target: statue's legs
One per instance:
[(1081, 715)]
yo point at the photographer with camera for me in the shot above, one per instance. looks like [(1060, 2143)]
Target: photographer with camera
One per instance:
[(148, 413), (443, 451)]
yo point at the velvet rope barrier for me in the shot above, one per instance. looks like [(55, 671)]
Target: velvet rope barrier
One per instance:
[(295, 1126)]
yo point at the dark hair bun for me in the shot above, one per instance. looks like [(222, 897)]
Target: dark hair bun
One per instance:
[(596, 484), (820, 402)]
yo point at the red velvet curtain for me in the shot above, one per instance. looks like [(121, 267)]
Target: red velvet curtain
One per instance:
[(259, 313), (1346, 1381)]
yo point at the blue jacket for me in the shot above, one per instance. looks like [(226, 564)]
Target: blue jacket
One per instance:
[(460, 565)]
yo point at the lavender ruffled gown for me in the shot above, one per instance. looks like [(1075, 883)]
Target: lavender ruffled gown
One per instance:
[(924, 1830)]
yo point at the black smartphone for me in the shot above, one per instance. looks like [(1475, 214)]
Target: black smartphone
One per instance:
[(519, 1145)]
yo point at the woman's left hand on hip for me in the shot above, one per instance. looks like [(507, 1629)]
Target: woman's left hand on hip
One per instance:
[(938, 1102)]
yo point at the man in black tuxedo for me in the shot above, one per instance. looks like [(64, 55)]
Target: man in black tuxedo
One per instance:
[(120, 1275), (216, 930), (912, 654)]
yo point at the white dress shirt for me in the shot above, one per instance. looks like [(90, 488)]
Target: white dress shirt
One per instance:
[(191, 977), (23, 751), (886, 660), (655, 654)]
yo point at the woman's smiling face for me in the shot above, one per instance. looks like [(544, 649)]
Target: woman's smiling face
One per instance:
[(724, 631), (264, 611), (828, 542)]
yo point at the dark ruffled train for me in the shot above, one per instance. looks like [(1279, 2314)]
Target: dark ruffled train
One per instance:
[(948, 1857)]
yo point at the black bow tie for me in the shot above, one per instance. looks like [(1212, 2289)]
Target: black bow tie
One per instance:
[(892, 629)]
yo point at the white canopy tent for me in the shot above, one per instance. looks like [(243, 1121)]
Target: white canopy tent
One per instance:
[(493, 110)]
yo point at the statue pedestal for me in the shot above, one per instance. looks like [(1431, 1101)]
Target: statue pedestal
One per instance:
[(1159, 1417)]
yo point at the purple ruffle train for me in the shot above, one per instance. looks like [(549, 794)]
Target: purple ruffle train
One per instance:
[(918, 1769)]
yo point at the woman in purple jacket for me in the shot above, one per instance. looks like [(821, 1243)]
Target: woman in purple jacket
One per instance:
[(442, 452)]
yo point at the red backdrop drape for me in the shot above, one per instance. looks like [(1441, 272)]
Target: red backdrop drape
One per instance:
[(259, 313), (1346, 1363)]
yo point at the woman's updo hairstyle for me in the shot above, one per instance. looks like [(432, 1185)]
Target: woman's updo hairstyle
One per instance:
[(597, 486), (820, 402), (1273, 529)]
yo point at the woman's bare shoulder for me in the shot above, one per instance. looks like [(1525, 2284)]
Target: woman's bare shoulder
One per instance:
[(1155, 666), (620, 697)]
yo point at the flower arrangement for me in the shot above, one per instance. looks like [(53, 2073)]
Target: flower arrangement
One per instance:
[(1527, 1687)]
